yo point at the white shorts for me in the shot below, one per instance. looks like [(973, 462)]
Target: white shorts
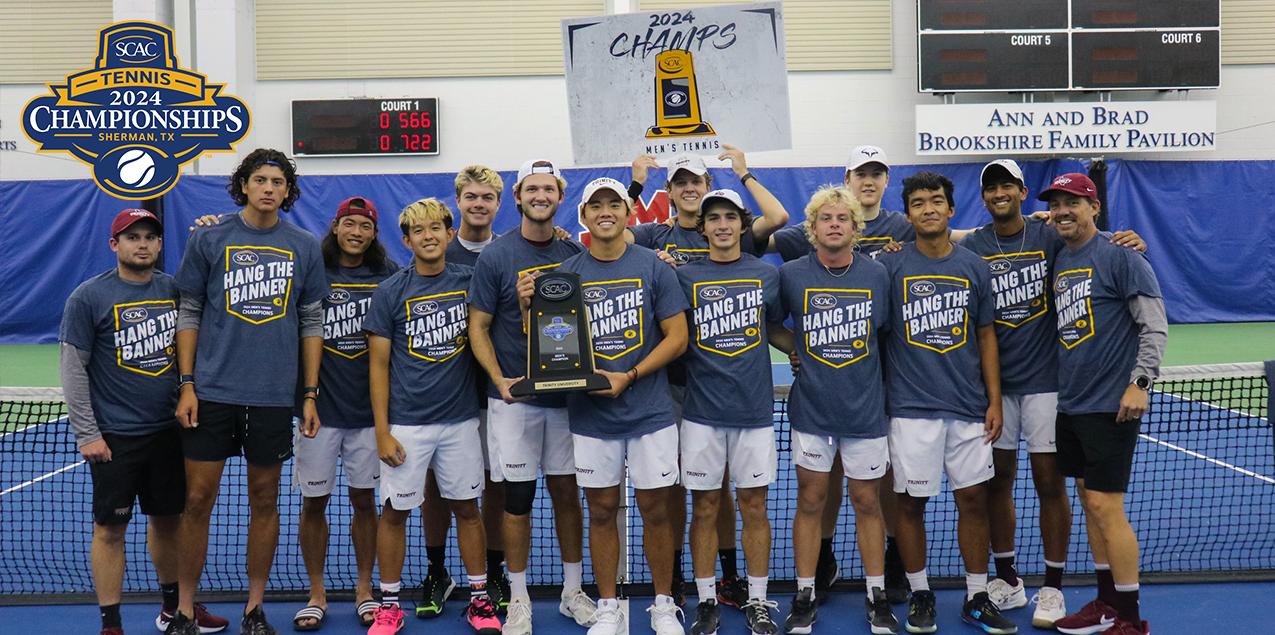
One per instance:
[(707, 449), (863, 459), (652, 460), (450, 449), (1032, 418), (314, 469), (523, 441), (920, 450)]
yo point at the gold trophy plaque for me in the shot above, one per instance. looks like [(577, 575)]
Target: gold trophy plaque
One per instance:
[(677, 100)]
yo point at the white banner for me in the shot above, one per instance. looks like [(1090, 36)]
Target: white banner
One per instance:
[(667, 82), (1066, 128)]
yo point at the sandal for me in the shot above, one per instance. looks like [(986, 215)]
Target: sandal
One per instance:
[(316, 613), (367, 612)]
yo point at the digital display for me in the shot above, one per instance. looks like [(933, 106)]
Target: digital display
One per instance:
[(994, 61), (963, 15), (1150, 59), (365, 127)]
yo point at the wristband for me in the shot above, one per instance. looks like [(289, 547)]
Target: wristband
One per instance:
[(743, 180), (633, 379), (186, 379)]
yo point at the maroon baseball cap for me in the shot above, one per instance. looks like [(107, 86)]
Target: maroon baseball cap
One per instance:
[(126, 218), (368, 209), (1074, 183)]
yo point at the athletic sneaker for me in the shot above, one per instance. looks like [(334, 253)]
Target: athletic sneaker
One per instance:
[(1007, 597), (388, 621), (1050, 607), (1094, 617), (481, 615), (896, 579), (254, 623), (577, 605), (921, 613), (757, 616), (708, 617), (666, 620), (804, 613), (826, 573), (498, 590), (438, 587), (182, 625), (610, 621), (733, 591), (518, 618), (980, 611), (880, 615), (1124, 627), (208, 623)]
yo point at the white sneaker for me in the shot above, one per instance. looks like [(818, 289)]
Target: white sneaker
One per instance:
[(577, 605), (609, 621), (666, 620), (1050, 607), (1007, 597), (518, 618)]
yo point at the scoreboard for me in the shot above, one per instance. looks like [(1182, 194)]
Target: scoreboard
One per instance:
[(1035, 45), (365, 127)]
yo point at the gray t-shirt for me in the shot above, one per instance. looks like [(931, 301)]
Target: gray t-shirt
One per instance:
[(626, 299), (791, 241), (684, 245), (426, 319), (727, 358), (838, 321), (933, 367), (344, 401), (250, 282), (1020, 266), (1097, 335), (128, 329)]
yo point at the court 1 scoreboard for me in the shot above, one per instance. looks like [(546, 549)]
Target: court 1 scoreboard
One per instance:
[(1036, 45), (365, 127)]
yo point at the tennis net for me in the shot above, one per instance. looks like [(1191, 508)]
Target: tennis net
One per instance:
[(1202, 501)]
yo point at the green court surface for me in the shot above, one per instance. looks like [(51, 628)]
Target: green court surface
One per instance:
[(37, 365)]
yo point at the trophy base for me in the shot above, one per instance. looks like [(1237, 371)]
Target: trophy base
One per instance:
[(687, 130), (528, 387)]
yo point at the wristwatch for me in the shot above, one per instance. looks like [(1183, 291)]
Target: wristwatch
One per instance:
[(1143, 383)]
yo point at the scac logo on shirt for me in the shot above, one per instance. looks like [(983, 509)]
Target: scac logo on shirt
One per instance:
[(424, 308), (1000, 265), (134, 315), (682, 255), (836, 325), (823, 301), (595, 294), (922, 288), (339, 296), (712, 293), (556, 289), (245, 258)]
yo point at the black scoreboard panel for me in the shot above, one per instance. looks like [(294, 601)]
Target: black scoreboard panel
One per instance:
[(970, 15), (1145, 59), (994, 61), (369, 127), (1033, 45)]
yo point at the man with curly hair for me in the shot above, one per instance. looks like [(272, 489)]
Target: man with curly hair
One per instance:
[(251, 304)]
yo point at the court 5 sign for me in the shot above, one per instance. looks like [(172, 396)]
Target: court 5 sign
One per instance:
[(668, 82), (136, 116)]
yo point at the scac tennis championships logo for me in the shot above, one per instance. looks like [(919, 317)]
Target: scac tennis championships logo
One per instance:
[(136, 116)]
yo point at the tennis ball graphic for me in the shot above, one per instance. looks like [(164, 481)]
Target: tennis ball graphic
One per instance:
[(136, 168)]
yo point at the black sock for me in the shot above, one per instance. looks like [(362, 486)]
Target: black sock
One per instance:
[(891, 549), (727, 556), (111, 615), (1127, 607), (677, 566), (1053, 576), (168, 593), (1005, 570), (1106, 587), (825, 549), (495, 560), (437, 558)]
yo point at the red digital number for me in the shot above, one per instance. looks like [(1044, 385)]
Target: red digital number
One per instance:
[(385, 139), (402, 120), (385, 120), (424, 120)]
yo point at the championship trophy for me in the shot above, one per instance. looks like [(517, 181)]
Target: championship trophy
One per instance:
[(559, 347), (676, 99)]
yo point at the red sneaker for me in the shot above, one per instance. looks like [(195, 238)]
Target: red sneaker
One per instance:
[(208, 623), (1123, 627), (1095, 617), (481, 615), (389, 620)]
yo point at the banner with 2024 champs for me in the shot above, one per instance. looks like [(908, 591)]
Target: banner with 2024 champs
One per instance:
[(668, 82)]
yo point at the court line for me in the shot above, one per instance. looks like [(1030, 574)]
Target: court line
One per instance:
[(34, 425), (41, 478), (1212, 405), (1209, 459)]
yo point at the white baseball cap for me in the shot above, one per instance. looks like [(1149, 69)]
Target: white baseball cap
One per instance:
[(726, 195), (864, 155), (604, 183), (1009, 165), (692, 163), (536, 166)]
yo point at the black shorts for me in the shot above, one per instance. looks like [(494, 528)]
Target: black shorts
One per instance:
[(262, 433), (147, 468), (1097, 448)]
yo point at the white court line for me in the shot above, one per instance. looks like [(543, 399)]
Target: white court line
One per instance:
[(41, 478), (1214, 406), (34, 425), (1209, 459)]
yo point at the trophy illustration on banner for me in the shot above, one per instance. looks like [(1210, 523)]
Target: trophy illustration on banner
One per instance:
[(559, 349), (676, 99)]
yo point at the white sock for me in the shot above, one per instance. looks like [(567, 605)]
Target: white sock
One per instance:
[(805, 583), (757, 587), (608, 603), (389, 593), (875, 582), (518, 585), (975, 583), (919, 581), (572, 575), (664, 600), (707, 589)]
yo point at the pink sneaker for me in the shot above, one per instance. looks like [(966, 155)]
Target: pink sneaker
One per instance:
[(481, 615), (389, 620)]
